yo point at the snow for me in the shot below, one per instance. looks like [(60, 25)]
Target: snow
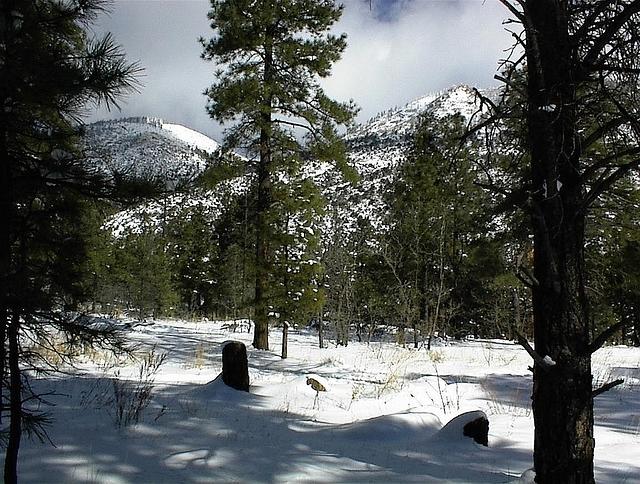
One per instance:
[(383, 417), (454, 428), (548, 361), (148, 148), (549, 108), (192, 138)]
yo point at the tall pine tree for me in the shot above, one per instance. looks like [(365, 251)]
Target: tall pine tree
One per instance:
[(271, 54), (580, 91), (49, 71)]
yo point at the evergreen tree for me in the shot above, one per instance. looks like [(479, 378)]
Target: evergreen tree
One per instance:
[(271, 54), (296, 244), (49, 71), (141, 271), (612, 260), (580, 91), (438, 222), (192, 254)]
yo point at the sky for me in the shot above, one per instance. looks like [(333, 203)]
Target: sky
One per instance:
[(398, 50)]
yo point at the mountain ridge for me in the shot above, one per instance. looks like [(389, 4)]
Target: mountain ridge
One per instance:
[(376, 148)]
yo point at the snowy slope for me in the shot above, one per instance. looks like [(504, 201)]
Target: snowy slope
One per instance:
[(381, 419), (379, 146), (148, 148), (376, 148), (192, 138)]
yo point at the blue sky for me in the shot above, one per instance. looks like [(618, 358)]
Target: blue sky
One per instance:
[(398, 50)]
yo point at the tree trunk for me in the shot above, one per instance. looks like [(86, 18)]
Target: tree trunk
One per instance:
[(517, 324), (6, 188), (321, 328), (263, 206), (15, 393), (235, 367), (4, 315), (284, 313), (562, 402), (8, 357), (285, 340), (423, 303)]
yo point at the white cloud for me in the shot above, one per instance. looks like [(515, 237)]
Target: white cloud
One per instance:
[(426, 46), (397, 50)]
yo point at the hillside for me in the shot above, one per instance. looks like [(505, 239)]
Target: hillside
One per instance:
[(148, 147)]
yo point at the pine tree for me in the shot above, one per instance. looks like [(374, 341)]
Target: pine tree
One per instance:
[(49, 71), (613, 261), (296, 243), (271, 54), (192, 252), (437, 220), (580, 91)]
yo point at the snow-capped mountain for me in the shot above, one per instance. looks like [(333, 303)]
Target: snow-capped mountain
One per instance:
[(379, 146), (149, 148), (394, 124)]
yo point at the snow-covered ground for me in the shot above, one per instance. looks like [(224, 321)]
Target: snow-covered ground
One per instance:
[(380, 419)]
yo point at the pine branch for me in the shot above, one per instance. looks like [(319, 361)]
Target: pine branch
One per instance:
[(605, 182), (599, 132), (613, 27)]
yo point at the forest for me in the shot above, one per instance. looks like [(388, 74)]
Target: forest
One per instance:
[(507, 214)]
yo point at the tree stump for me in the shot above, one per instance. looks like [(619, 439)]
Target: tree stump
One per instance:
[(478, 430), (235, 367), (473, 424)]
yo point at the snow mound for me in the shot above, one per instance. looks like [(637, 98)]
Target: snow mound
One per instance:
[(217, 391), (454, 429), (400, 427)]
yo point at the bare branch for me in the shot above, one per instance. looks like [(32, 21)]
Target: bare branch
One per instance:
[(613, 26), (545, 363), (618, 69), (597, 343), (294, 124), (589, 21), (514, 11), (606, 387)]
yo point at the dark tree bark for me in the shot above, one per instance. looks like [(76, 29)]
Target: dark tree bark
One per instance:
[(284, 312), (581, 93), (423, 316), (285, 340), (562, 403), (15, 393), (263, 206), (5, 248)]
